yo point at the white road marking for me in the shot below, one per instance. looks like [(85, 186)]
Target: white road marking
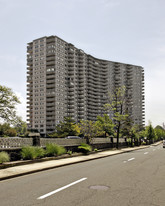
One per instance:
[(146, 153), (131, 159), (62, 188)]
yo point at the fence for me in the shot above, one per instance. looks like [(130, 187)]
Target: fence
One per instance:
[(16, 142), (61, 141)]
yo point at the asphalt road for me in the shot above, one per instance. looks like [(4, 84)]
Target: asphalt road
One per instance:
[(128, 179)]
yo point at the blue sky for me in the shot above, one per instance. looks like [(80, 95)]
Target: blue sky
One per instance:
[(128, 31)]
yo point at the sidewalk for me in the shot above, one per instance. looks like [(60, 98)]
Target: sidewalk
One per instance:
[(41, 166)]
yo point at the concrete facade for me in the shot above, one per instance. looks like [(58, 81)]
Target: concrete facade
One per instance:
[(65, 81)]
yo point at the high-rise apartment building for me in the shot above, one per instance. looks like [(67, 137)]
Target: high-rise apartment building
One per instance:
[(65, 81)]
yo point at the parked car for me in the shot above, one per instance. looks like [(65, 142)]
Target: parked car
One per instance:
[(163, 143), (73, 137)]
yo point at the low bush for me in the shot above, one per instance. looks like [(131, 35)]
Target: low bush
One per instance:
[(85, 148), (54, 149), (4, 157), (30, 152), (40, 152), (69, 152)]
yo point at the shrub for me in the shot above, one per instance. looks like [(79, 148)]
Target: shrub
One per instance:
[(96, 150), (85, 148), (39, 152), (129, 141), (30, 152), (54, 149), (69, 152), (4, 157)]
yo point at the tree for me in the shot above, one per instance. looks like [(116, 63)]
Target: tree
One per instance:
[(117, 109), (8, 101), (150, 133), (66, 128), (105, 124), (141, 135), (131, 131), (11, 132), (6, 130), (3, 128), (160, 132), (126, 127), (88, 129), (21, 128)]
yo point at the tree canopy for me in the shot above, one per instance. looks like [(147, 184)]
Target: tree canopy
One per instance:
[(8, 102), (7, 131), (88, 129), (105, 124), (150, 133), (66, 128), (117, 110)]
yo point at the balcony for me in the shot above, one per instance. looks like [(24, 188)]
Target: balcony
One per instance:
[(129, 77), (81, 74), (30, 73), (52, 58), (50, 99), (80, 112), (71, 110), (71, 89), (50, 81), (50, 40), (81, 100), (50, 117), (48, 109), (52, 94), (29, 88), (80, 104), (50, 63), (50, 104), (71, 102), (52, 86), (70, 73), (117, 66), (70, 107)]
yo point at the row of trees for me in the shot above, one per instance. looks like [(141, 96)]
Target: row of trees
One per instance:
[(8, 130), (116, 122), (104, 127)]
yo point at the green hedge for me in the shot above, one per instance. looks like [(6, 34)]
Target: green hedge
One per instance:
[(54, 149), (85, 148), (4, 157), (30, 152)]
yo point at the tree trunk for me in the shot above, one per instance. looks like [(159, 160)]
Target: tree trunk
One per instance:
[(118, 132), (87, 140), (112, 141), (131, 142)]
